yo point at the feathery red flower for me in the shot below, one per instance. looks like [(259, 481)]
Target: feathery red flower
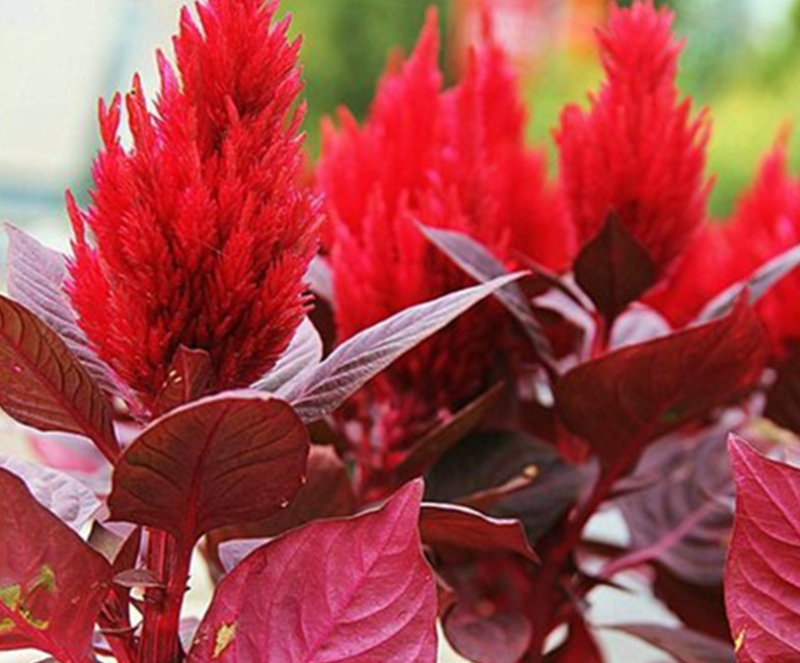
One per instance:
[(765, 223), (448, 159), (637, 151), (202, 234)]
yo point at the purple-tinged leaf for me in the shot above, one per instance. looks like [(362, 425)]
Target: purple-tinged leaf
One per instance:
[(684, 518), (51, 582), (614, 269), (783, 398), (457, 527), (497, 638), (138, 578), (625, 400), (188, 379), (303, 354), (476, 261), (350, 591), (758, 284), (67, 498), (441, 439), (35, 278), (366, 354), (226, 459), (43, 385), (701, 608), (683, 645), (762, 576)]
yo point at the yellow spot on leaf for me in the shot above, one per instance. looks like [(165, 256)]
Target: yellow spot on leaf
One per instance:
[(225, 635), (739, 640), (10, 596)]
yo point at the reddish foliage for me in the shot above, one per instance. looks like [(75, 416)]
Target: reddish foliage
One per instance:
[(202, 234)]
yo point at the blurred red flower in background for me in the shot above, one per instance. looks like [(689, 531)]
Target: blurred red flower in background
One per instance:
[(637, 151), (202, 233), (452, 159)]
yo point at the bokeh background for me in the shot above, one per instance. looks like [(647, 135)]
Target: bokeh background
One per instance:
[(742, 60)]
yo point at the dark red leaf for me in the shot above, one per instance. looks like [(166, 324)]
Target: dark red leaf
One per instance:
[(35, 278), (762, 576), (683, 518), (457, 527), (442, 438), (43, 385), (51, 582), (188, 379), (614, 269), (624, 400), (501, 637), (700, 607), (327, 493), (226, 459), (783, 399), (351, 591), (579, 647), (758, 284), (489, 460), (476, 260), (361, 357), (66, 497), (683, 645)]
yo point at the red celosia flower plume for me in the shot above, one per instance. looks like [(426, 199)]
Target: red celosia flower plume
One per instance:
[(202, 233), (445, 158), (637, 151), (766, 223)]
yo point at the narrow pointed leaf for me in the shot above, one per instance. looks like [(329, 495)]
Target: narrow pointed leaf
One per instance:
[(614, 269), (624, 400), (366, 354), (762, 576), (758, 284), (350, 591), (51, 582), (42, 384), (683, 645), (303, 354), (226, 459), (35, 278), (477, 261)]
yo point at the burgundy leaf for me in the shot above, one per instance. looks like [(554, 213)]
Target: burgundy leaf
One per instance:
[(51, 582), (579, 647), (683, 645), (457, 527), (683, 519), (327, 493), (700, 607), (366, 354), (303, 354), (762, 576), (783, 398), (624, 400), (614, 269), (67, 498), (43, 385), (35, 278), (188, 379), (225, 459), (485, 461), (476, 260), (758, 284), (441, 439), (350, 591), (501, 637)]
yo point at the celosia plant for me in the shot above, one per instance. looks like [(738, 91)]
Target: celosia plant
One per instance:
[(176, 341)]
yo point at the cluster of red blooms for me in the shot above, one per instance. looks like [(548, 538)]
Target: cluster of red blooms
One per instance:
[(203, 235)]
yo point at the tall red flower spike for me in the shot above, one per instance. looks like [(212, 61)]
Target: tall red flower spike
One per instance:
[(765, 223), (450, 159), (202, 233), (637, 151)]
